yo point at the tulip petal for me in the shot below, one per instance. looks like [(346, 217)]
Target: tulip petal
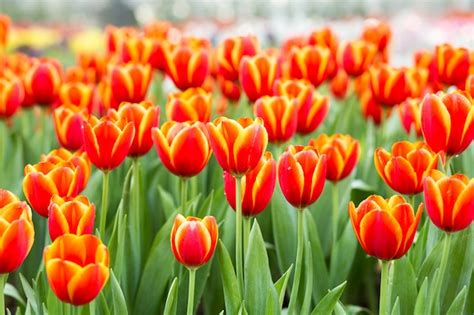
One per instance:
[(86, 284)]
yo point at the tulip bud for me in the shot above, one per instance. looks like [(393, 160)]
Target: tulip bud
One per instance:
[(311, 115), (129, 82), (340, 84), (12, 95), (194, 104), (68, 120), (257, 75), (231, 51), (378, 33), (229, 89), (144, 51), (279, 115), (325, 37), (388, 84), (416, 80), (43, 81), (187, 67), (356, 57), (310, 63), (370, 108), (409, 112), (452, 64)]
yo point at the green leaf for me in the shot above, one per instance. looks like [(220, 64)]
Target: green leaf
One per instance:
[(172, 299), (396, 307), (281, 285), (12, 292), (344, 253), (404, 285), (120, 305), (421, 305), (308, 278), (457, 307), (30, 294), (229, 280), (329, 301), (167, 203)]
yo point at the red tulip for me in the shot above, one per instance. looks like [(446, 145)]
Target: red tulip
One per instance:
[(356, 57), (340, 84), (186, 66), (378, 33), (194, 104), (257, 75), (310, 63), (43, 81), (231, 51), (68, 120), (78, 94), (325, 37), (312, 115), (388, 84), (129, 82), (409, 112), (452, 64), (11, 97), (279, 115)]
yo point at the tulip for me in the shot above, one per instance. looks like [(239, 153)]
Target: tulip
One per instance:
[(193, 242), (416, 80), (231, 51), (158, 29), (11, 97), (144, 117), (68, 121), (355, 57), (388, 85), (279, 115), (405, 168), (257, 75), (325, 37), (5, 23), (447, 122), (65, 176), (76, 74), (257, 187), (43, 81), (129, 82), (370, 108), (311, 115), (115, 36), (452, 64), (409, 112), (310, 63), (194, 104), (378, 33), (299, 90), (187, 67), (78, 94), (229, 89), (340, 84), (91, 61), (144, 51), (470, 86), (70, 216), (77, 268)]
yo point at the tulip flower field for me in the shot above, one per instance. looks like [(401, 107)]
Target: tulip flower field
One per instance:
[(169, 175)]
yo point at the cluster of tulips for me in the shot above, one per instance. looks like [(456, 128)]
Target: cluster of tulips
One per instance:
[(103, 112)]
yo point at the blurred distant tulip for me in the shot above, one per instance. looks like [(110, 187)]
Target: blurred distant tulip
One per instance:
[(452, 64), (405, 168), (409, 112), (77, 267), (43, 81), (186, 66), (194, 104), (5, 22), (325, 37), (370, 108), (339, 84), (68, 120), (182, 147), (470, 86), (378, 33), (355, 57), (299, 90), (231, 51), (115, 36), (447, 122), (78, 94), (311, 115), (95, 62), (238, 145), (230, 89), (389, 85), (279, 115), (76, 74), (143, 50), (417, 80), (11, 97), (129, 82), (310, 63), (257, 75), (393, 218), (70, 216)]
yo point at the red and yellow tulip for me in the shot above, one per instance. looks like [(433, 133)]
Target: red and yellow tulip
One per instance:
[(187, 67), (68, 121), (194, 104), (257, 75), (279, 115), (355, 57)]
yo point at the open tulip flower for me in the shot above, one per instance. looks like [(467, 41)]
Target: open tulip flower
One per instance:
[(70, 216), (144, 117), (68, 120), (143, 50), (279, 115), (16, 233), (194, 104), (452, 64), (405, 168), (389, 85), (43, 81), (78, 94), (385, 228), (257, 75), (231, 51), (409, 113), (238, 145), (182, 147), (355, 57), (77, 268), (310, 63), (449, 201), (257, 186), (129, 82), (447, 122), (11, 96)]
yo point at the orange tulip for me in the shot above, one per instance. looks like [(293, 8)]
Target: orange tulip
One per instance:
[(257, 75), (355, 57), (68, 120), (193, 240), (77, 267), (405, 168), (11, 97), (299, 90), (229, 89), (129, 82), (76, 74), (389, 86), (370, 108), (238, 145), (93, 62), (16, 234), (231, 51), (449, 201), (78, 94), (378, 33), (182, 147), (114, 37), (43, 80), (144, 51), (60, 173), (310, 63), (302, 174), (158, 29), (5, 23), (144, 117), (257, 186), (194, 104), (470, 86), (325, 37), (447, 122), (452, 64), (416, 80), (279, 115), (186, 66), (311, 115), (70, 216), (409, 112), (340, 84), (342, 154), (393, 218)]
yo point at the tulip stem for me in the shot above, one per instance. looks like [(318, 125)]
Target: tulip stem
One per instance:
[(247, 224), (385, 288), (183, 187), (438, 281), (105, 204), (238, 233), (192, 281), (3, 282), (298, 263), (335, 214), (412, 201)]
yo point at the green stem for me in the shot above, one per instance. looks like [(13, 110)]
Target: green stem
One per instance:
[(3, 282), (137, 211), (105, 204), (335, 214), (447, 167), (238, 233), (247, 224), (192, 281), (298, 263), (412, 201), (183, 187), (3, 147), (385, 288), (441, 272)]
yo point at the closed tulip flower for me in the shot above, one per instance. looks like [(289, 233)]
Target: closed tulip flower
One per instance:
[(279, 115), (43, 81), (5, 23), (452, 64), (299, 90), (310, 63), (182, 147), (342, 154), (17, 233), (417, 81), (11, 97), (70, 215), (339, 84), (68, 120), (301, 174), (92, 61), (186, 66), (129, 82), (355, 57), (393, 218), (409, 112), (231, 51), (325, 37), (311, 115), (77, 268), (389, 85), (447, 122), (257, 187), (405, 168), (257, 75), (370, 108), (449, 201), (238, 145), (378, 33), (470, 86), (194, 104), (143, 50), (78, 94), (115, 36), (230, 89), (144, 117)]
